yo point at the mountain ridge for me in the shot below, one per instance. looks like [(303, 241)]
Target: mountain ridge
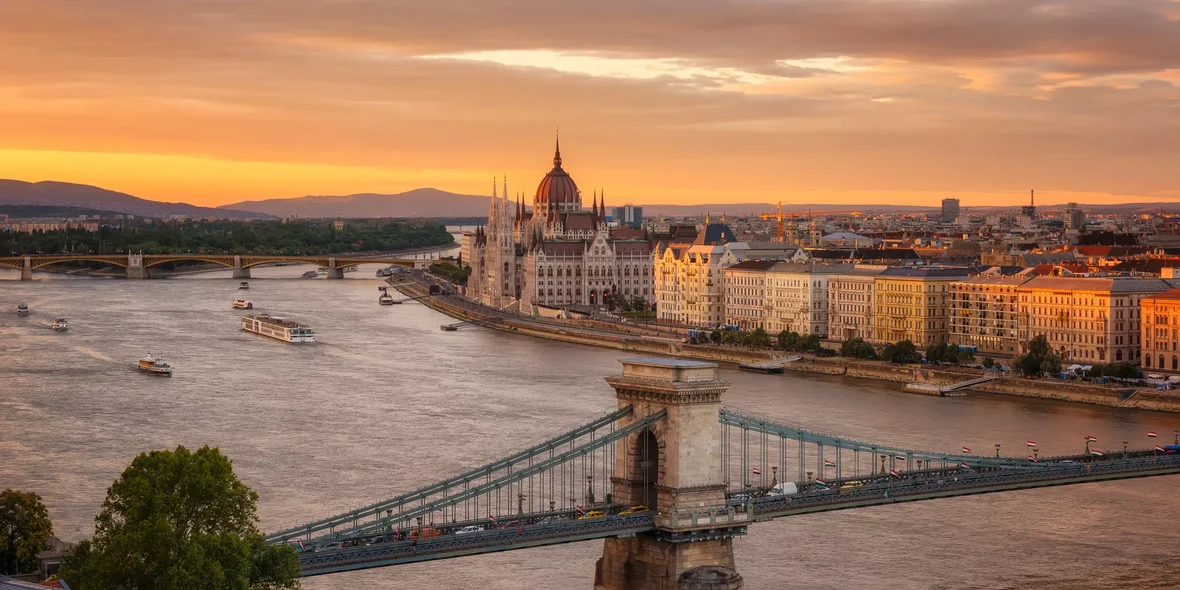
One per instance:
[(86, 196)]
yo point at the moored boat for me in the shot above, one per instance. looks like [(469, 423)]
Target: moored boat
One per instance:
[(243, 304), (22, 310), (60, 325), (154, 366), (278, 328)]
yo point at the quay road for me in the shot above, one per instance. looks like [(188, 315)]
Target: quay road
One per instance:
[(553, 528)]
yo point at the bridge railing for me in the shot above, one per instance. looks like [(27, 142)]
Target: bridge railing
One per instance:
[(565, 461), (352, 518)]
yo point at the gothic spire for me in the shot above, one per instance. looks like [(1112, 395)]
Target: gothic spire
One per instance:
[(602, 211), (557, 152)]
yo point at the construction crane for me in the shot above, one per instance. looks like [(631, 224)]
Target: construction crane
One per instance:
[(777, 215)]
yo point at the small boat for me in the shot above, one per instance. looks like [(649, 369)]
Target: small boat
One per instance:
[(311, 274), (22, 310), (243, 285), (155, 366), (385, 299), (60, 325), (350, 268), (243, 304)]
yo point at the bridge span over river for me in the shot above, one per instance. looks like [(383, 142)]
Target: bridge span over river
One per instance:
[(667, 480), (137, 265)]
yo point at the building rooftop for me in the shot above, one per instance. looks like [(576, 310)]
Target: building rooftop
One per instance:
[(752, 265), (1169, 294), (926, 272), (1111, 284)]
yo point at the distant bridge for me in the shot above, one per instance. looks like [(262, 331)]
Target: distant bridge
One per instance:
[(137, 264), (667, 480)]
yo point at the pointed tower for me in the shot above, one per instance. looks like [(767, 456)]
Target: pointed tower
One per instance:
[(602, 211)]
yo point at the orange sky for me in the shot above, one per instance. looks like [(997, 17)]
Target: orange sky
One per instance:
[(866, 101)]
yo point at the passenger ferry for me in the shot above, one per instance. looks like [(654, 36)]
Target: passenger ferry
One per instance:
[(243, 304), (155, 366), (277, 328), (311, 274), (60, 324), (385, 299), (243, 285), (22, 310)]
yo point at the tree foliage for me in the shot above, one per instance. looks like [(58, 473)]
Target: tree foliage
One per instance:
[(453, 272), (901, 353), (231, 237), (857, 348), (179, 520), (24, 531), (948, 353), (796, 342), (989, 362), (1040, 359)]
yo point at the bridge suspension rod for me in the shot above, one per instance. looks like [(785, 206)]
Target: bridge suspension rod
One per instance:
[(350, 517), (495, 485)]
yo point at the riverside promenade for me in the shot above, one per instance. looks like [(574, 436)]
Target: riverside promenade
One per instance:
[(648, 340)]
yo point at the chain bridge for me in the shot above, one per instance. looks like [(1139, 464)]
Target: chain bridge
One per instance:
[(137, 265), (668, 479)]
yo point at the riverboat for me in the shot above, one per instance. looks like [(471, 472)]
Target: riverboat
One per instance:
[(60, 325), (243, 304), (154, 366), (278, 328), (311, 274), (243, 285), (22, 310), (385, 299)]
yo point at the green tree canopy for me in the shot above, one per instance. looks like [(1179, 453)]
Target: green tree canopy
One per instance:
[(179, 520), (24, 531), (857, 348), (1040, 358), (901, 353)]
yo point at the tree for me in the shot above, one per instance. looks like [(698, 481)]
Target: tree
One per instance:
[(1039, 360), (901, 353), (936, 353), (180, 520), (759, 338), (24, 531), (989, 362), (1123, 370), (857, 348)]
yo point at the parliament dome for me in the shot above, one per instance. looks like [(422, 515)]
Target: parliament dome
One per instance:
[(558, 188)]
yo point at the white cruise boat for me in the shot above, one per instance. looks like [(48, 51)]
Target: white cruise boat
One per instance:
[(243, 304), (155, 366), (385, 299), (60, 324), (22, 310), (278, 328), (243, 285)]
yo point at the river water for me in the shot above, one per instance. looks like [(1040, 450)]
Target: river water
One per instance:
[(386, 402)]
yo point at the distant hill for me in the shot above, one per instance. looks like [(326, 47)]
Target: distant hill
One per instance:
[(422, 202), (65, 194), (740, 209), (35, 211)]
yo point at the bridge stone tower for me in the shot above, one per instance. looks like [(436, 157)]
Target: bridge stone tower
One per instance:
[(239, 272), (675, 469), (135, 269)]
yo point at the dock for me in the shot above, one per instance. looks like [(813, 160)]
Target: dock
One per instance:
[(949, 389)]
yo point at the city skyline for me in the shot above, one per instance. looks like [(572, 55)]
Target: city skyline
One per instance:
[(688, 102)]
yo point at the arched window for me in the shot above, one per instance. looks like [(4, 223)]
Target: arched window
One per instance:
[(559, 272), (1118, 355), (1175, 362), (1161, 361), (1147, 361)]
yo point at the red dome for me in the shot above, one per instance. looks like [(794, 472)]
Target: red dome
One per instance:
[(557, 187)]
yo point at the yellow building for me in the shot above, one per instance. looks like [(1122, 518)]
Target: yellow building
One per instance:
[(913, 303), (985, 314), (1087, 319), (1160, 332), (745, 294)]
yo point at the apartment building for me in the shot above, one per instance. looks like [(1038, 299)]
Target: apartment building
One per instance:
[(1160, 331), (688, 280), (1087, 319), (745, 294), (913, 303), (797, 297), (985, 314), (850, 302)]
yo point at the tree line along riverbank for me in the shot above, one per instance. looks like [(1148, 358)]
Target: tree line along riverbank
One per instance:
[(631, 340)]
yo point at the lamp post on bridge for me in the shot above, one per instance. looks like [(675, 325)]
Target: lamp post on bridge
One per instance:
[(1124, 449), (997, 450), (589, 490)]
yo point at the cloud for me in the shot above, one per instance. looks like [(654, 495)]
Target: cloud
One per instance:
[(698, 98)]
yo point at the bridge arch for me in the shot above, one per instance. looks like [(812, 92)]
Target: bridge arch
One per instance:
[(36, 262), (646, 468), (150, 262)]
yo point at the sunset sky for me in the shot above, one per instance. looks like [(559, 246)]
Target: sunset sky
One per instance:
[(666, 101)]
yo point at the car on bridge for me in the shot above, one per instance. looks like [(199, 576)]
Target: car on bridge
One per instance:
[(417, 534), (469, 529), (592, 515), (636, 509)]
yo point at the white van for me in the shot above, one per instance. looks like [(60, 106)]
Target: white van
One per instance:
[(786, 488)]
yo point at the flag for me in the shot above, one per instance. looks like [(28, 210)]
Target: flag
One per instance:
[(1159, 448), (756, 471), (1151, 434), (302, 547), (828, 463), (966, 450), (1032, 458), (579, 509), (820, 482), (894, 473), (1096, 452), (1091, 439), (1030, 443), (964, 465)]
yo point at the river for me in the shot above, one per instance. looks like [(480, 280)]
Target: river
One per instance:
[(386, 402)]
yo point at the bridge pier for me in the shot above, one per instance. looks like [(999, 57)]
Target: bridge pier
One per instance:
[(333, 271), (674, 468), (135, 269), (26, 271), (239, 272)]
